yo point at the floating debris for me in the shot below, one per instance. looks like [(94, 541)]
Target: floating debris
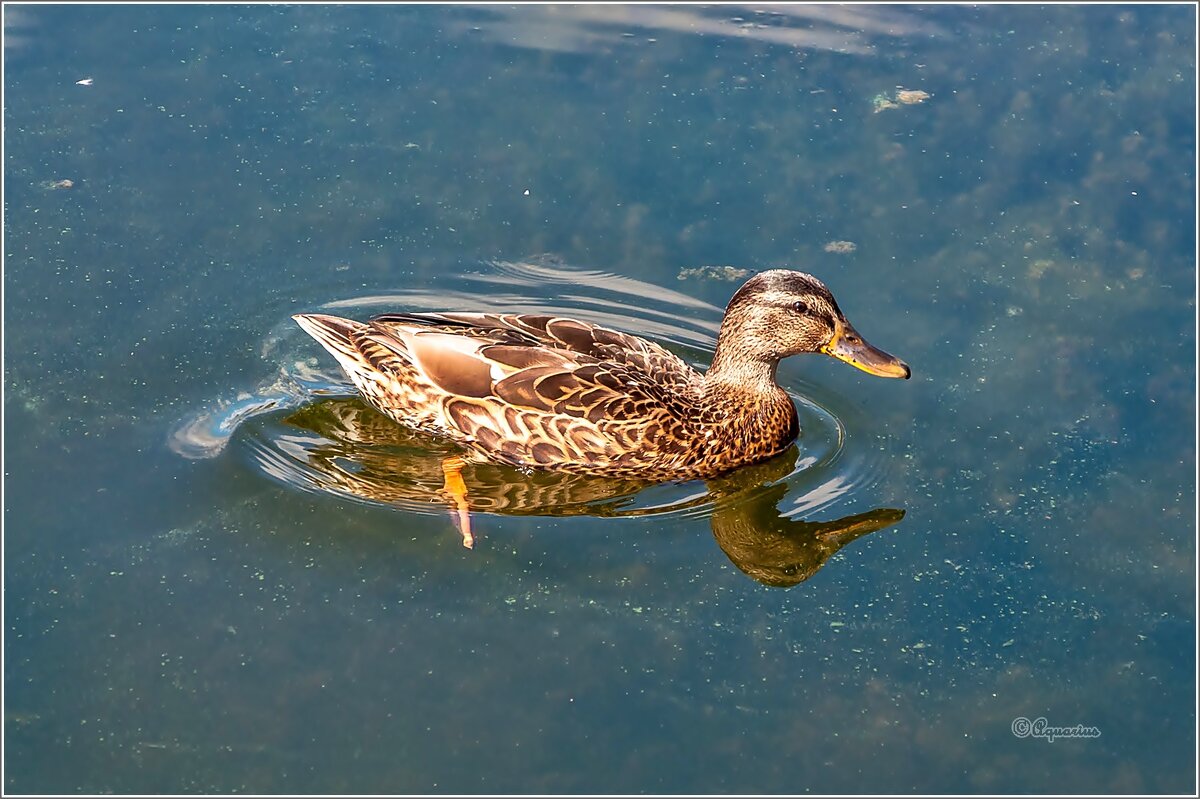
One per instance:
[(60, 184), (911, 96), (883, 101), (713, 273), (840, 247)]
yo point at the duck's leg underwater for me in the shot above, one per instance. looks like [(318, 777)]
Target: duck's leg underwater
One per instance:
[(456, 491)]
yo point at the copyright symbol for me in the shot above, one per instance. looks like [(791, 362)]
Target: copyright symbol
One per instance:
[(1021, 727)]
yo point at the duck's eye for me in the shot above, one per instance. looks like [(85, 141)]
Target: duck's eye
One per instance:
[(800, 307)]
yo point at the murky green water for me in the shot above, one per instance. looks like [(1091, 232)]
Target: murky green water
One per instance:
[(200, 594)]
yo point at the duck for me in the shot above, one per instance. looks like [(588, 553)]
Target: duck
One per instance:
[(549, 392)]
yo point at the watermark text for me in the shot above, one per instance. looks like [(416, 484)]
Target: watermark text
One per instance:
[(1040, 728)]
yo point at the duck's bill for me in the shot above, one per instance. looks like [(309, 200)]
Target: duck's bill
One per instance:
[(847, 345)]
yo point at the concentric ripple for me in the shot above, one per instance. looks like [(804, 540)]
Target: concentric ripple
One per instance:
[(305, 427)]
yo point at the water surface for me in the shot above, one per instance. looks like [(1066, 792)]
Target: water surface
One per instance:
[(179, 617)]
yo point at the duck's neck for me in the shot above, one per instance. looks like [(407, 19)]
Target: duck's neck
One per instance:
[(734, 368), (749, 411)]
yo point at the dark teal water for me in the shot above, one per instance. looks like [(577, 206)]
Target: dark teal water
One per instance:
[(188, 609)]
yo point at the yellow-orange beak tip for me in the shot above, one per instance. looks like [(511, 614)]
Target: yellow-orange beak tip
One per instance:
[(848, 346)]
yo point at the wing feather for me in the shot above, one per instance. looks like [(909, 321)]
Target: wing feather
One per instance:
[(564, 334)]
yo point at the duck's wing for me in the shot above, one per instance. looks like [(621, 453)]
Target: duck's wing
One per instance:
[(538, 391), (560, 333)]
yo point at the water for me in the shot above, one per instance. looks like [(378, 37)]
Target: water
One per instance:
[(193, 603)]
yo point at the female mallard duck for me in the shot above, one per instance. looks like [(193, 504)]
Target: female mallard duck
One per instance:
[(547, 392)]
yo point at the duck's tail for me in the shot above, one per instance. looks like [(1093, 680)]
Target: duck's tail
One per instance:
[(333, 333), (379, 367)]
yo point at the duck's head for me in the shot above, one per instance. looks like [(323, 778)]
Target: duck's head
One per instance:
[(780, 313)]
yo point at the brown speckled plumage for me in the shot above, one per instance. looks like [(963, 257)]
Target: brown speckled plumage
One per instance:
[(548, 392)]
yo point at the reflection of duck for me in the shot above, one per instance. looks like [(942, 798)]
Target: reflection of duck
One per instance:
[(783, 552), (360, 453)]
